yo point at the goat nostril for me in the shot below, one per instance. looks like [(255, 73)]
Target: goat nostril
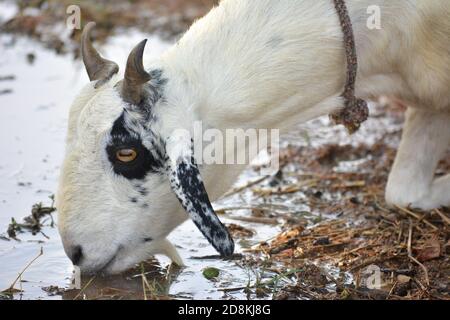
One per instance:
[(76, 255)]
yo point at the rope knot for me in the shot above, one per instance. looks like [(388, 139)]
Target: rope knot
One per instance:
[(354, 113)]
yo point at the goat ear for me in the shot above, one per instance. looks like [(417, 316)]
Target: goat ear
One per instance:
[(187, 184)]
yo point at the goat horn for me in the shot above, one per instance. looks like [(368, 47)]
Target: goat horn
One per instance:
[(135, 75), (97, 67)]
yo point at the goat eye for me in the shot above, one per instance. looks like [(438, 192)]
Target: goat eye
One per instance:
[(126, 155)]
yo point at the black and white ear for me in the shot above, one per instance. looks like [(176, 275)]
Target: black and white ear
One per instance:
[(187, 184)]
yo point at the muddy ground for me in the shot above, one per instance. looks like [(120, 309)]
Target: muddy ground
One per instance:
[(317, 229), (166, 18)]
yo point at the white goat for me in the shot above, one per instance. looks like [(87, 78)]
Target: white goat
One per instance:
[(247, 64)]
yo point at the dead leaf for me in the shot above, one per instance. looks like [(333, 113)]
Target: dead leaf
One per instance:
[(403, 279), (238, 231), (430, 250)]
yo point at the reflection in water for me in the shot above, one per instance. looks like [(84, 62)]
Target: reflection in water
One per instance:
[(147, 281)]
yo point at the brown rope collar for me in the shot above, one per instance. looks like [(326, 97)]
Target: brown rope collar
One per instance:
[(355, 110)]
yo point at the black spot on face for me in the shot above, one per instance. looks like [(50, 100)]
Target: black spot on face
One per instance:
[(143, 191), (123, 137)]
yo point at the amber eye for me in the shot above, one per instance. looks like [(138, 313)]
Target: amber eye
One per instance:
[(126, 155)]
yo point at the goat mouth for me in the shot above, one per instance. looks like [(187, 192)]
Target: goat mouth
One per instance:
[(103, 269)]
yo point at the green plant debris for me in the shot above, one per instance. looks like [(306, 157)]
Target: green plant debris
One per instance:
[(211, 273), (32, 223)]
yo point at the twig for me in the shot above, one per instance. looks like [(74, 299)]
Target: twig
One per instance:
[(233, 289), (410, 231), (246, 186), (349, 184), (416, 216), (369, 246), (443, 216), (223, 210), (425, 271), (84, 288), (144, 282), (392, 290), (273, 221), (270, 282), (375, 260), (45, 236), (410, 256), (286, 190), (11, 288)]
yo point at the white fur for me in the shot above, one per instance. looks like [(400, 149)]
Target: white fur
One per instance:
[(260, 64)]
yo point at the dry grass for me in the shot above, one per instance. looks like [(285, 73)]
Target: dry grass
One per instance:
[(410, 248)]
